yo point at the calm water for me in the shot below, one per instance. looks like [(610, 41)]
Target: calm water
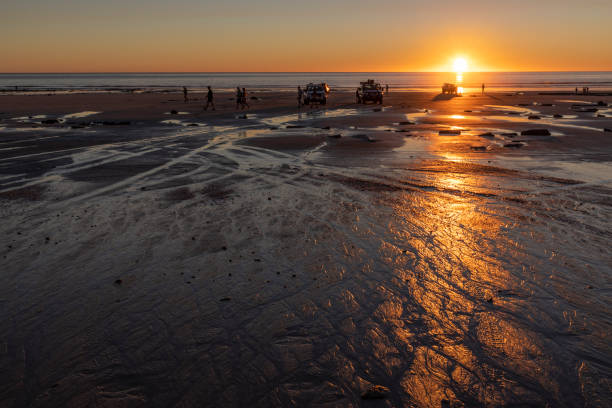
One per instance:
[(283, 81)]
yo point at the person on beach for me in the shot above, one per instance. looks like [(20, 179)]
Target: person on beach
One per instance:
[(387, 88), (300, 96), (358, 96), (483, 88), (185, 94), (210, 99), (238, 97), (244, 99), (576, 90)]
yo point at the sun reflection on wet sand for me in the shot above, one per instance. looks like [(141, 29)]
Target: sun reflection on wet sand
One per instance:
[(462, 346)]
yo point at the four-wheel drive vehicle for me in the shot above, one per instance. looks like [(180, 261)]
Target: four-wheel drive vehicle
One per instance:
[(370, 91), (449, 89), (316, 93)]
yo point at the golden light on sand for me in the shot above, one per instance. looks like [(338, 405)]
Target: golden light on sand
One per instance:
[(460, 65)]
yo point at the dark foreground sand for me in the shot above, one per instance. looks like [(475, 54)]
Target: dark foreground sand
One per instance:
[(295, 258)]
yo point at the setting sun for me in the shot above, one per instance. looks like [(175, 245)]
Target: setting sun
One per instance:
[(460, 64)]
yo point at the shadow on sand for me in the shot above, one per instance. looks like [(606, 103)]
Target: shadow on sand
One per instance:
[(444, 97)]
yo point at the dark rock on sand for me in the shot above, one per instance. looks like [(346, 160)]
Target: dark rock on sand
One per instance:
[(118, 282), (50, 122), (514, 145), (479, 148), (173, 112), (326, 127), (547, 104), (376, 392), (487, 135), (364, 137), (406, 123), (607, 130), (558, 116), (602, 103), (109, 123), (225, 299), (335, 136), (294, 126), (535, 132), (534, 117), (449, 132), (510, 134)]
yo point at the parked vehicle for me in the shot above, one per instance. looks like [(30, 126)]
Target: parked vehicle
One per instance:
[(449, 89), (370, 91), (316, 93)]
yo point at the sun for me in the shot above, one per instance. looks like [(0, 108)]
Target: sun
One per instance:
[(460, 64)]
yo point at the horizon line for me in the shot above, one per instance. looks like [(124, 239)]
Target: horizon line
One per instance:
[(296, 72)]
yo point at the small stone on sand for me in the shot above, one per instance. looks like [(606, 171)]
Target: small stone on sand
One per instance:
[(376, 392)]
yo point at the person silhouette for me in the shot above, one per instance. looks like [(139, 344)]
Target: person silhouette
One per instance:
[(185, 94), (210, 99), (238, 97), (483, 88), (244, 98), (300, 95)]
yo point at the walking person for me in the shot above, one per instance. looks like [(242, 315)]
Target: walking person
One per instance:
[(210, 99), (238, 97), (185, 94), (483, 88), (300, 96), (244, 99)]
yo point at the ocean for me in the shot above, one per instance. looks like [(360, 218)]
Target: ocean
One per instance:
[(417, 81)]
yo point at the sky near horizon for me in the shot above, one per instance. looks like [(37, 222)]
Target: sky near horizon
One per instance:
[(302, 36)]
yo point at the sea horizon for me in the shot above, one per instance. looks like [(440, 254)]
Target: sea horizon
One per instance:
[(408, 81)]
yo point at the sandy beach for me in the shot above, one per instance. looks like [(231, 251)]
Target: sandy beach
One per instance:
[(455, 250)]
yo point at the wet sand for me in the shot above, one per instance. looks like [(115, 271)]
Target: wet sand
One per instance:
[(296, 258)]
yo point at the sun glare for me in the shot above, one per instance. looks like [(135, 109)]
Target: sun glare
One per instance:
[(460, 65)]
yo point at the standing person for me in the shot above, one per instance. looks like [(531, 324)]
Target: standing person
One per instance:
[(185, 94), (238, 97), (576, 90), (387, 88), (483, 88), (300, 96), (244, 98), (210, 99)]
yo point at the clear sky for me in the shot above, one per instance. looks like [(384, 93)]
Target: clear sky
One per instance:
[(303, 35)]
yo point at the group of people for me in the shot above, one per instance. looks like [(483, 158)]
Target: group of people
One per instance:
[(241, 98), (585, 90)]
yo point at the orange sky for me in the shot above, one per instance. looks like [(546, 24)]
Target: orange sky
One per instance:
[(290, 35)]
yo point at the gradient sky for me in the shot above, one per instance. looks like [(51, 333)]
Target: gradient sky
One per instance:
[(304, 35)]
